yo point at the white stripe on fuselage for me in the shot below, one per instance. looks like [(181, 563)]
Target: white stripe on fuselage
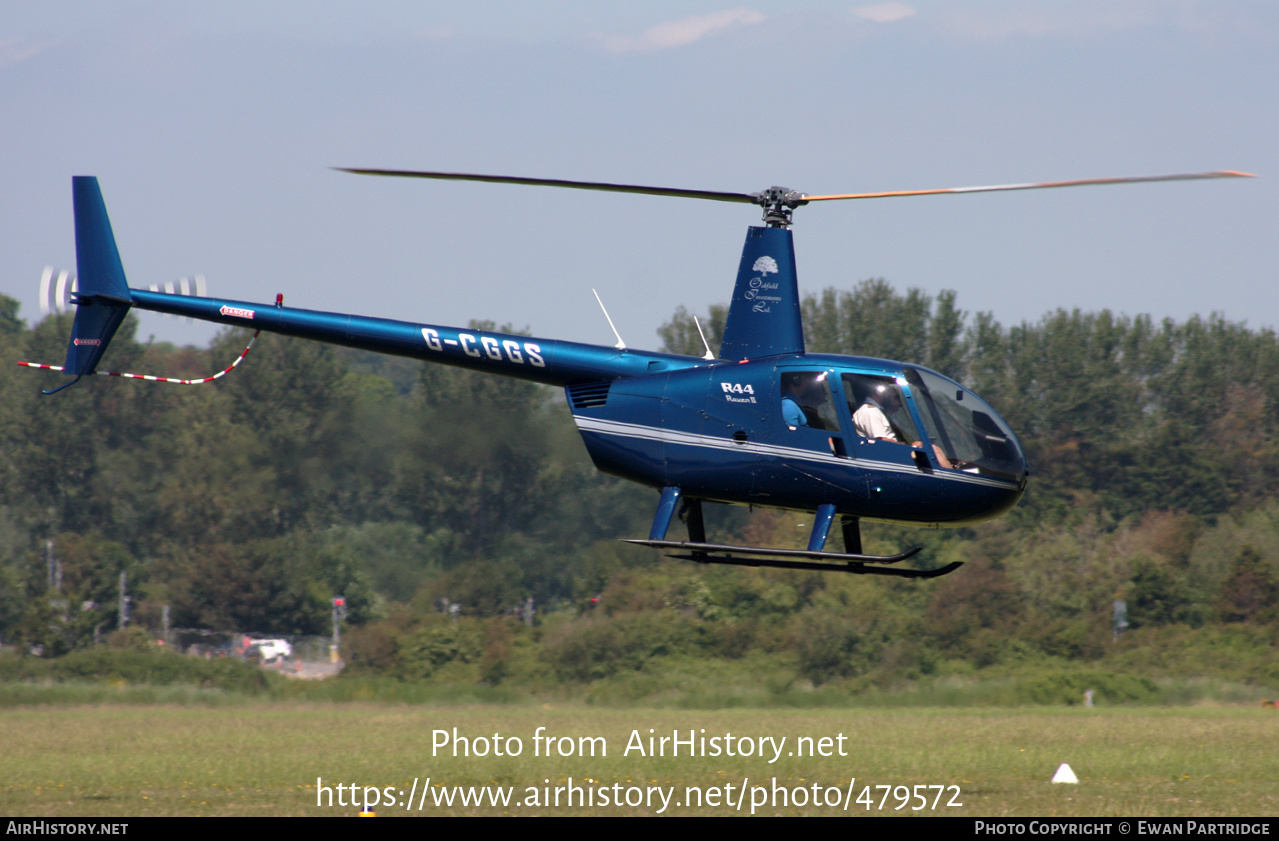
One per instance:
[(690, 439)]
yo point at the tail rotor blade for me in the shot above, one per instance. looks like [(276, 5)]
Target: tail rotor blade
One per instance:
[(60, 292), (55, 295), (46, 277)]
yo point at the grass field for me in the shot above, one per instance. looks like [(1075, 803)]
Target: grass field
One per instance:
[(265, 758)]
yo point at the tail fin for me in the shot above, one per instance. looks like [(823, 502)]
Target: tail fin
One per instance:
[(764, 317), (103, 299)]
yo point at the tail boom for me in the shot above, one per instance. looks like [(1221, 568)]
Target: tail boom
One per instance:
[(546, 361)]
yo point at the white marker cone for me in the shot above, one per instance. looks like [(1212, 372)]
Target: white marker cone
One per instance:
[(1065, 775)]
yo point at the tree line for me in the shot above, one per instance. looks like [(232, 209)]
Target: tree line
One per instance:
[(313, 471)]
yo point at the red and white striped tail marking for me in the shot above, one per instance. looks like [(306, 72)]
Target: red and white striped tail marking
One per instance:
[(201, 381)]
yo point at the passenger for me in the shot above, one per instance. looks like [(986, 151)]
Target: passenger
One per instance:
[(871, 420), (797, 391)]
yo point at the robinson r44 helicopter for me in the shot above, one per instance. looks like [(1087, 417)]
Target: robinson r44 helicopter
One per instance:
[(763, 423)]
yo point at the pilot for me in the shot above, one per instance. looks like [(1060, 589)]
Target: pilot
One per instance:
[(871, 420)]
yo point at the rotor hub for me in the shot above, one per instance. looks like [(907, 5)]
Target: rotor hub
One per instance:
[(778, 203)]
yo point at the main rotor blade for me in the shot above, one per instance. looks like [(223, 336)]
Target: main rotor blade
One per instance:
[(1041, 185), (555, 182)]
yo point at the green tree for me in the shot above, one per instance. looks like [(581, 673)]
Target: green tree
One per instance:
[(680, 334), (280, 586), (83, 603), (1157, 595), (471, 461), (10, 323), (1251, 591)]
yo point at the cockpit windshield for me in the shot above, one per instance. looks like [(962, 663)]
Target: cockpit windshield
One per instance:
[(970, 432)]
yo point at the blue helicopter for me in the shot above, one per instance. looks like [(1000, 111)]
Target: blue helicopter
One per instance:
[(763, 423)]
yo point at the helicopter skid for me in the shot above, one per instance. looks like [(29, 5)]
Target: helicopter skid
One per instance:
[(757, 556)]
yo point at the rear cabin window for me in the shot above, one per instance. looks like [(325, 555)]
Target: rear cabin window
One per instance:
[(806, 400)]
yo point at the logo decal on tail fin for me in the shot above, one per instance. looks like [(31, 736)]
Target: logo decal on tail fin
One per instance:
[(765, 265)]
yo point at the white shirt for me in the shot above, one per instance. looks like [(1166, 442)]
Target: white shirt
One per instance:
[(870, 422)]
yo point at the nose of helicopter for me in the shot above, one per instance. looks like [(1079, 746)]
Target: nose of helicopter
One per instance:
[(969, 430)]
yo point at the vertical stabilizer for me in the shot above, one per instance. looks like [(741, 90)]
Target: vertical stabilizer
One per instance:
[(764, 318), (103, 299)]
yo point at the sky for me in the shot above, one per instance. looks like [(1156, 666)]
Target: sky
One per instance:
[(214, 128)]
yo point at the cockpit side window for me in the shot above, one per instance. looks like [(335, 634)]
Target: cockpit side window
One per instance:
[(806, 400), (877, 408)]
